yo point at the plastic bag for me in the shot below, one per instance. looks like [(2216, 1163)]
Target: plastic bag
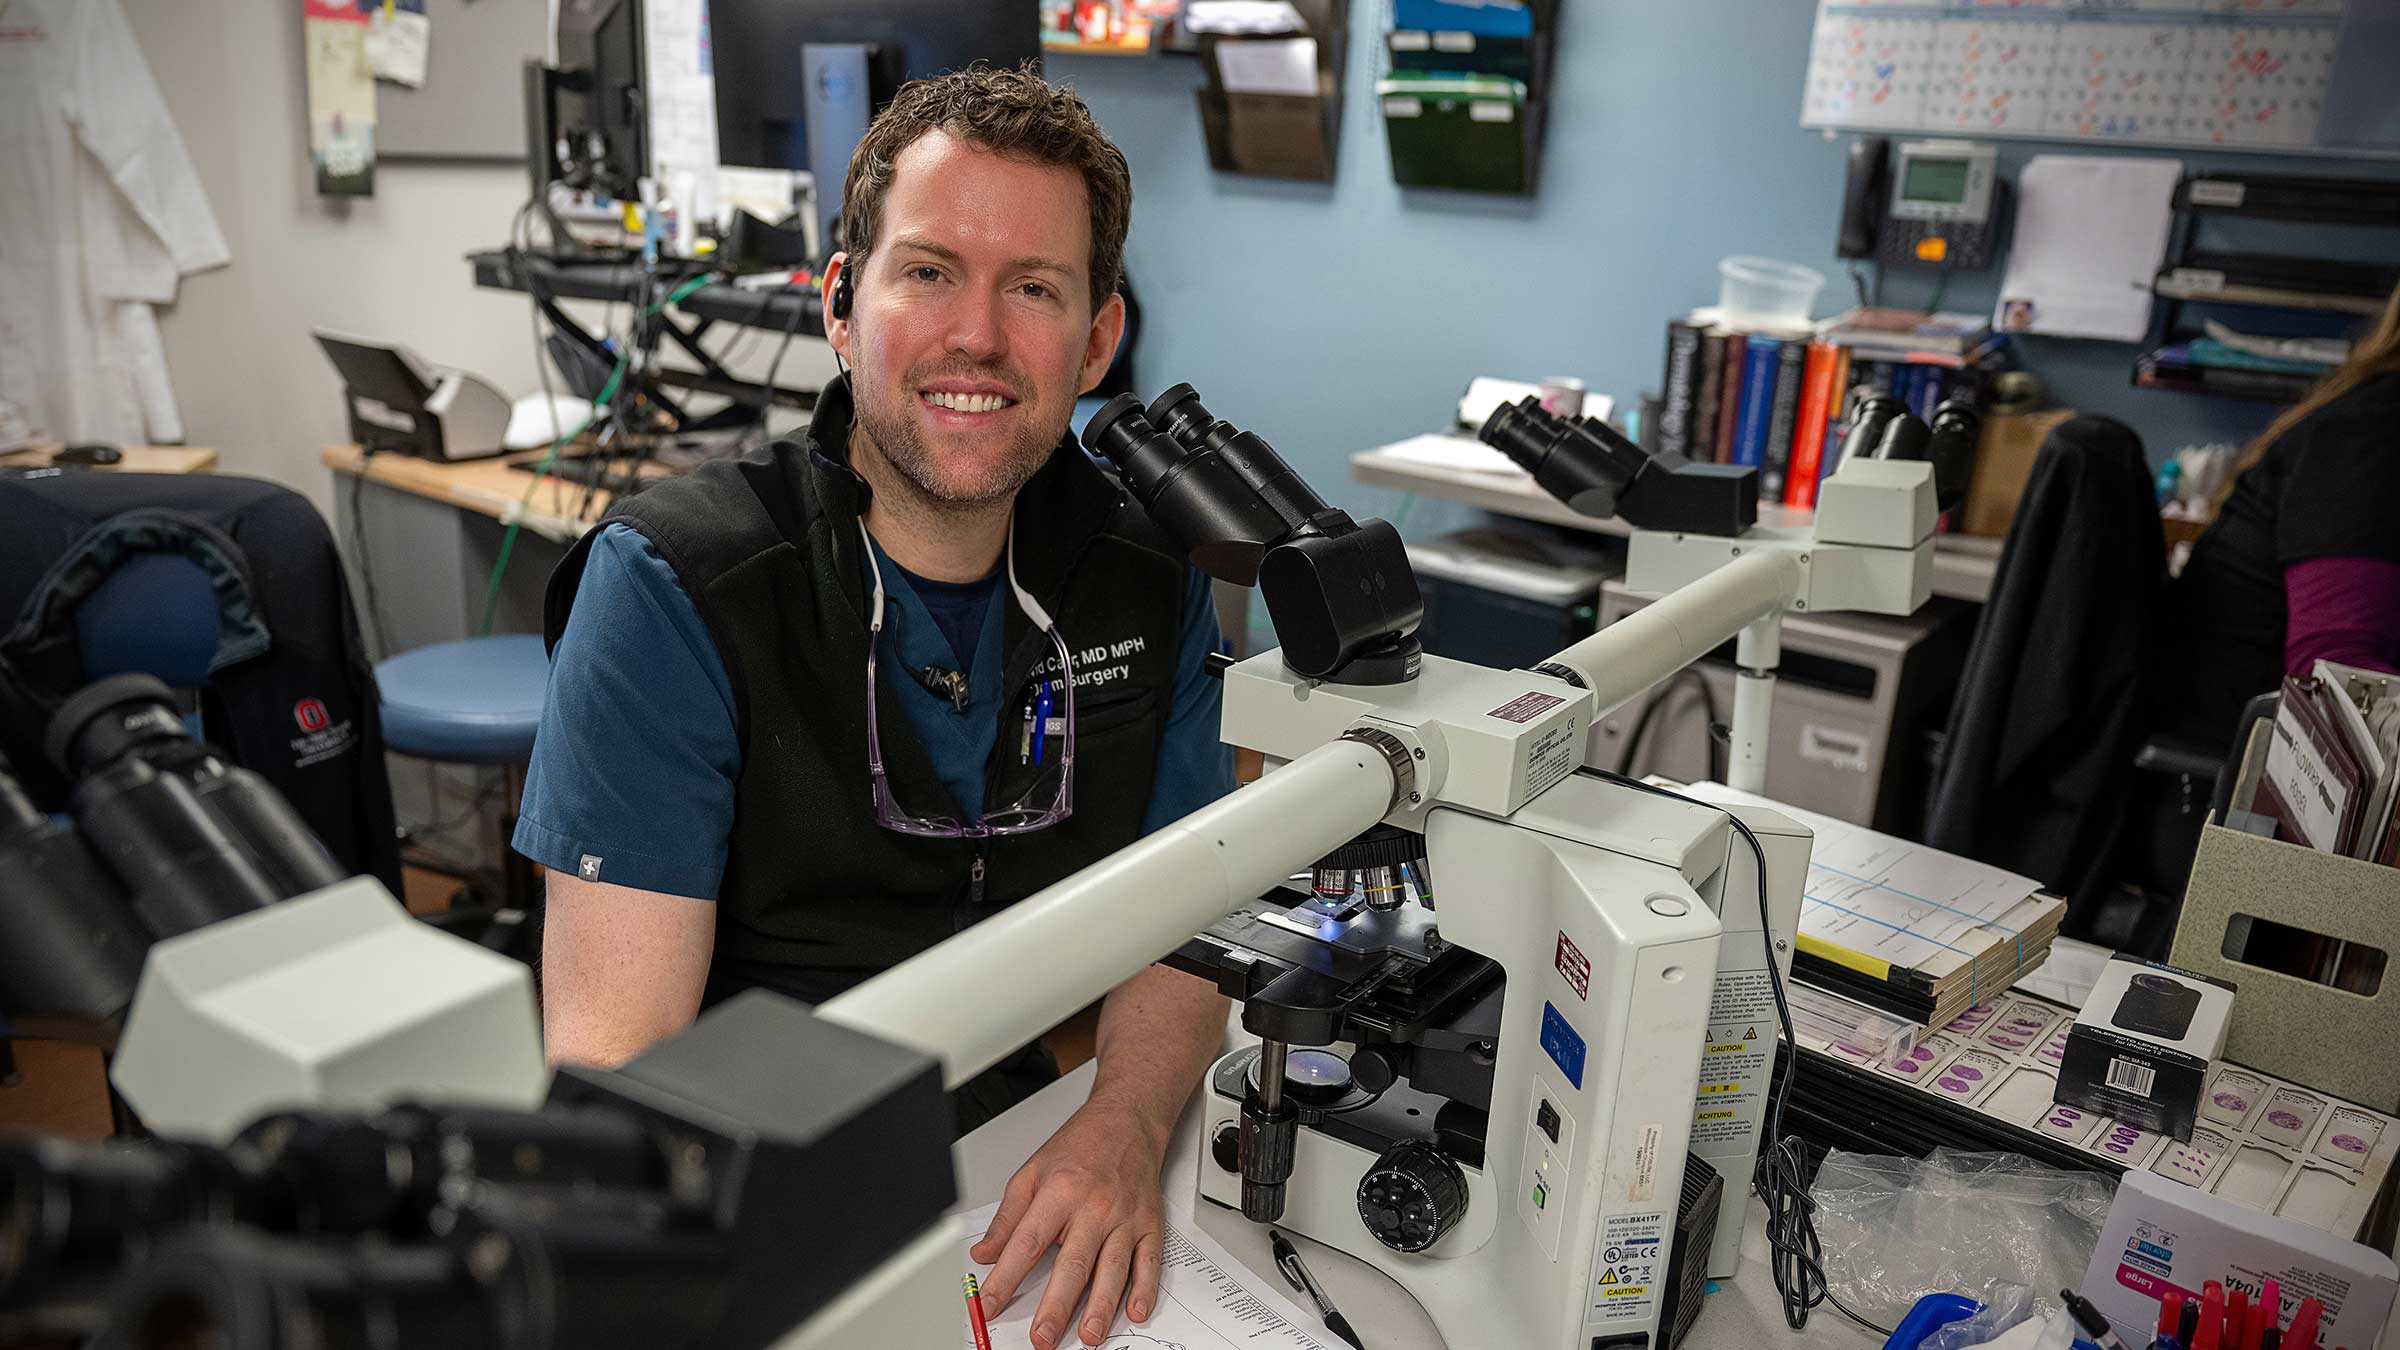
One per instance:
[(2004, 1305), (1896, 1229)]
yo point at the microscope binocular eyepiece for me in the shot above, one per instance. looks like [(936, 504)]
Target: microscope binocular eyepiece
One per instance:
[(72, 1212), (1344, 602), (1581, 462), (1882, 428), (191, 838), (1194, 493), (1591, 466)]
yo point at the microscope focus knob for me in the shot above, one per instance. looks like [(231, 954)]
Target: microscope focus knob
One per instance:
[(1412, 1196)]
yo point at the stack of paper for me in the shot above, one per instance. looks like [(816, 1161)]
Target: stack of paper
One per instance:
[(1911, 930)]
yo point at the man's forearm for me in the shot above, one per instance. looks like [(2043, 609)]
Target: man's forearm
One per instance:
[(1168, 1024)]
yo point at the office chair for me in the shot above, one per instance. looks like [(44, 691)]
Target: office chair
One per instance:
[(2049, 767), (477, 701)]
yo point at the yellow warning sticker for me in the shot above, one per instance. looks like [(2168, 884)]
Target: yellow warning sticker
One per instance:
[(1607, 1278)]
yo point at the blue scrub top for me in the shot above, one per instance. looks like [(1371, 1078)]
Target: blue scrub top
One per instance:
[(637, 757)]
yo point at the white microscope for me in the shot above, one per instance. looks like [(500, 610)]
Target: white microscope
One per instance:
[(1521, 960)]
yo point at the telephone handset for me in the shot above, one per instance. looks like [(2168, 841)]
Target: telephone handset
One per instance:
[(1863, 193)]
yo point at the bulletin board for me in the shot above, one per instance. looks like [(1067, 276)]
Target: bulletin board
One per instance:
[(472, 105), (2264, 76)]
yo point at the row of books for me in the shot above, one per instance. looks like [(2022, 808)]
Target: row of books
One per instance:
[(1775, 399)]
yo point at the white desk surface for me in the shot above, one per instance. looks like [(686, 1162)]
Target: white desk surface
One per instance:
[(1744, 1313), (1963, 565)]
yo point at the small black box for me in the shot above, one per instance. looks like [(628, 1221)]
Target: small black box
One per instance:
[(2143, 1043)]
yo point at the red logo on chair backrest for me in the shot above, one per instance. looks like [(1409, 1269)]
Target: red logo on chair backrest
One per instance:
[(310, 714)]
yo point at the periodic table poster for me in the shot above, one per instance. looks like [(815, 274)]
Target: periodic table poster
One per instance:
[(2238, 74)]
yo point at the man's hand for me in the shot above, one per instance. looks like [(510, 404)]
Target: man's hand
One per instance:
[(1093, 1193)]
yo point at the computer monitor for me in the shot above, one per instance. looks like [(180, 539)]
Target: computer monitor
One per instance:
[(762, 84), (599, 106)]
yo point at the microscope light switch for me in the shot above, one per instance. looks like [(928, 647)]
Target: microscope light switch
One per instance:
[(1547, 1169)]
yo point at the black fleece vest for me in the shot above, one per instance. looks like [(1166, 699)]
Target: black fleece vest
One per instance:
[(816, 896)]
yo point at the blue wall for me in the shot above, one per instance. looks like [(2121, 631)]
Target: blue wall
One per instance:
[(1334, 317)]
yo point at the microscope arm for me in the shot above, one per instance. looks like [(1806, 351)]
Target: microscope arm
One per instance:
[(972, 1003), (1652, 643)]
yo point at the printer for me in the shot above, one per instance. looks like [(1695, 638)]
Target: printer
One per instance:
[(399, 403)]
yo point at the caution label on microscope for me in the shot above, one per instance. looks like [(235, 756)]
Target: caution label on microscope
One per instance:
[(1628, 1268)]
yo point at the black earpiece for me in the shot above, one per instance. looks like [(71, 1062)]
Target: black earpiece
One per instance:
[(838, 304)]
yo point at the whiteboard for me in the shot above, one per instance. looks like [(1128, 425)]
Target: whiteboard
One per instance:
[(2264, 76), (473, 102)]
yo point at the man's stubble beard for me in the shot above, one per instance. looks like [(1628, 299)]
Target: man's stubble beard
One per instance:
[(896, 439)]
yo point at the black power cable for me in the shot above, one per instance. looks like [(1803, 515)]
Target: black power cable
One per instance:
[(1796, 1258), (1657, 702), (766, 393)]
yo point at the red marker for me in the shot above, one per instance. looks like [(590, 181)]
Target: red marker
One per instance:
[(2303, 1335), (2254, 1329), (2237, 1319), (2269, 1314), (2212, 1318), (983, 1332), (2170, 1316)]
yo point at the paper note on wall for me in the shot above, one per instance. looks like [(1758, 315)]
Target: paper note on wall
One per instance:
[(398, 42), (2090, 235), (1269, 66)]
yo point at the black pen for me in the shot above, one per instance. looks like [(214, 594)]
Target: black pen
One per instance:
[(2094, 1322), (1287, 1260)]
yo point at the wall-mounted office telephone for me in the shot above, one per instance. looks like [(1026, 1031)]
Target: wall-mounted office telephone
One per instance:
[(1940, 205)]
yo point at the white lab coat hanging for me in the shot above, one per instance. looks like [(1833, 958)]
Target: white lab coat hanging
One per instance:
[(101, 215)]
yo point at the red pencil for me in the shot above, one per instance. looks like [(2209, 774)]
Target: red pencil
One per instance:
[(983, 1332)]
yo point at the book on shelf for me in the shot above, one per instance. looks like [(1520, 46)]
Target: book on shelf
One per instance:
[(1783, 410), (1679, 387), (1819, 378), (1729, 397), (1704, 404)]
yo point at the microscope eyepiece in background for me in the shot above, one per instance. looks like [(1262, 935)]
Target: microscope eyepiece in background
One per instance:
[(193, 839)]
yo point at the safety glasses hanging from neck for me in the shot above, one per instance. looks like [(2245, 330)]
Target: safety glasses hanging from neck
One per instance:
[(1048, 799)]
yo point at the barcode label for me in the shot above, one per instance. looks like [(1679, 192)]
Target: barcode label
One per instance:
[(2131, 1077)]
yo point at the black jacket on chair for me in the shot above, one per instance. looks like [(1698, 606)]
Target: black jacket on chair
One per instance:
[(291, 693), (2043, 731)]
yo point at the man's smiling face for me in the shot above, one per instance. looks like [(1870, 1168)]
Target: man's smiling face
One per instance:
[(972, 328)]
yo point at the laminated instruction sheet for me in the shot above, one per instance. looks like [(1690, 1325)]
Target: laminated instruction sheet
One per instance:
[(1207, 1300)]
